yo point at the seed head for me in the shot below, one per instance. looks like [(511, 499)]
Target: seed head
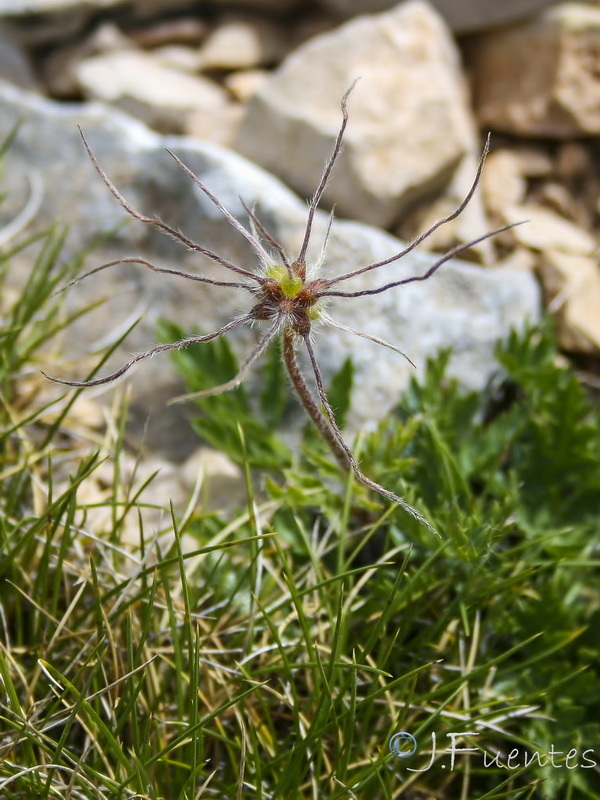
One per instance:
[(284, 296)]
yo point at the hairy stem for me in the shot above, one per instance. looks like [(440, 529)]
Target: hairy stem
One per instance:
[(327, 426), (158, 223), (145, 263), (426, 234), (456, 251), (350, 460), (242, 372), (316, 198), (162, 348), (307, 400)]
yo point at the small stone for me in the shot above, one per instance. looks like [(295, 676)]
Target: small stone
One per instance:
[(534, 162), (220, 481), (243, 43), (502, 182), (139, 83), (60, 66), (156, 482), (543, 229), (179, 57), (558, 197), (86, 415), (541, 78), (223, 479), (573, 160), (573, 283), (109, 37), (519, 258), (245, 83)]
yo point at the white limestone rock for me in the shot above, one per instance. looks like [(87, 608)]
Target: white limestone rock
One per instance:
[(463, 306), (409, 125)]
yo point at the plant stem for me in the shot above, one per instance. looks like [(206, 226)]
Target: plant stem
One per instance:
[(307, 400), (326, 424)]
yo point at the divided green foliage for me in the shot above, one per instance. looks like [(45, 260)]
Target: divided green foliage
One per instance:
[(213, 363), (539, 451), (554, 445)]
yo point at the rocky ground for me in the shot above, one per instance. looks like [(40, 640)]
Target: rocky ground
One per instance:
[(245, 91)]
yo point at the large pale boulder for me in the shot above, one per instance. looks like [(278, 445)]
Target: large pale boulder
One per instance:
[(409, 123), (462, 306)]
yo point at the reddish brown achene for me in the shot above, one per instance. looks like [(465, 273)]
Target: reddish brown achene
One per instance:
[(287, 294)]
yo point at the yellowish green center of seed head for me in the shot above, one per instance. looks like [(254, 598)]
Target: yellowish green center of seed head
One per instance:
[(291, 285)]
